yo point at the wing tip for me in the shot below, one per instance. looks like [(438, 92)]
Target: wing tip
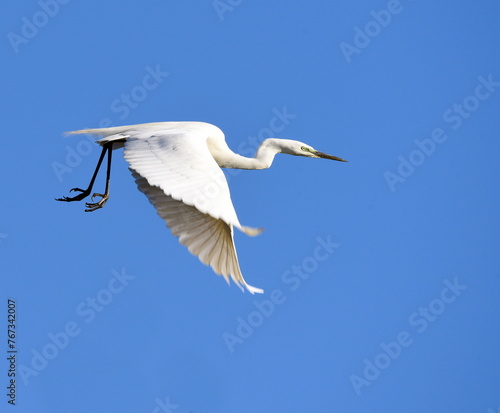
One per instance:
[(243, 285), (254, 290), (80, 132)]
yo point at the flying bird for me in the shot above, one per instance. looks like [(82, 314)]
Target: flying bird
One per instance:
[(177, 165)]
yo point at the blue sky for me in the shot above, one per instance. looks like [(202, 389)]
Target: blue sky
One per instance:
[(381, 275)]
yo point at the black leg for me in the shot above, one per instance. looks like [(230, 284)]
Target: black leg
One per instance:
[(104, 197), (108, 147)]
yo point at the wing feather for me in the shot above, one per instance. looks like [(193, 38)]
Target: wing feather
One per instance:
[(180, 163), (209, 238)]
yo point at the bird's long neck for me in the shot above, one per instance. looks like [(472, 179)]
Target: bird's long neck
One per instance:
[(263, 158)]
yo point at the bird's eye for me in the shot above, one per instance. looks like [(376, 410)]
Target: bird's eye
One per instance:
[(305, 148)]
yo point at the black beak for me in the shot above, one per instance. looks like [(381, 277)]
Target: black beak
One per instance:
[(326, 156)]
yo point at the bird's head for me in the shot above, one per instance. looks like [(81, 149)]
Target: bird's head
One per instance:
[(297, 148)]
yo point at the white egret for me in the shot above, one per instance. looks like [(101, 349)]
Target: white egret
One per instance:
[(177, 166)]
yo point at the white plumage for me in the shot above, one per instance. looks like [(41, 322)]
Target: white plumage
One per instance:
[(177, 166)]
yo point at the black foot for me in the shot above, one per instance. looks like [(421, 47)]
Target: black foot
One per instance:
[(84, 194), (96, 205)]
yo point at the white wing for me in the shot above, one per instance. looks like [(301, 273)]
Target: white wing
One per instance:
[(178, 161), (174, 168), (210, 239)]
